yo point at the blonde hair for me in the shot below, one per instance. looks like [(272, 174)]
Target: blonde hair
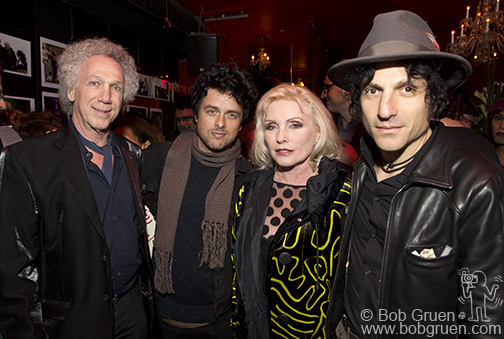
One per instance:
[(328, 144)]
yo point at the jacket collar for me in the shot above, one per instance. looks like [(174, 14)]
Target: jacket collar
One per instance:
[(320, 187), (243, 166), (64, 137), (434, 168)]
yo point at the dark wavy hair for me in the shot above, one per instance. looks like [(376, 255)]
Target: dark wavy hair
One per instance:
[(139, 126), (497, 107), (184, 102), (34, 123), (436, 96), (227, 78)]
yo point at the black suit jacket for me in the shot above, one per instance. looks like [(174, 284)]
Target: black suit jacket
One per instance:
[(55, 264)]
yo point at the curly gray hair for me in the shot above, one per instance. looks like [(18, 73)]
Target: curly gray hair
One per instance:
[(76, 53)]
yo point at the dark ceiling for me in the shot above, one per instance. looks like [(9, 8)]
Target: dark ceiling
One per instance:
[(333, 28)]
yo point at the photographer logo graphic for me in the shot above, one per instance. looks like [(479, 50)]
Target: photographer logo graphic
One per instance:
[(472, 285), (478, 293)]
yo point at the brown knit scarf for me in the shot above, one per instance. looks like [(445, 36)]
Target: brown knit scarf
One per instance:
[(217, 205)]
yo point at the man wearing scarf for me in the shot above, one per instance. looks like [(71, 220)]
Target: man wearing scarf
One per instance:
[(189, 186)]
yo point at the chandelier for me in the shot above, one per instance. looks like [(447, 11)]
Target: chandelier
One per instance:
[(263, 60), (482, 35)]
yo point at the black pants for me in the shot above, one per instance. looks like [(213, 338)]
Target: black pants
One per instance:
[(129, 316), (218, 330)]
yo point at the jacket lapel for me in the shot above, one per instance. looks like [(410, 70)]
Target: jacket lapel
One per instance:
[(69, 159)]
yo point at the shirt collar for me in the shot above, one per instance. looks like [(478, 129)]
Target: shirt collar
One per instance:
[(111, 141), (350, 124)]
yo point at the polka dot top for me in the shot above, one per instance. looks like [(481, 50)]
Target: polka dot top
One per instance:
[(284, 198)]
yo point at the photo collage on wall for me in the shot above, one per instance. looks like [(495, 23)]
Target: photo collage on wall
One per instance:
[(16, 58), (159, 89)]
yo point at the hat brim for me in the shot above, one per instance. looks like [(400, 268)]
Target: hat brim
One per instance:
[(455, 70)]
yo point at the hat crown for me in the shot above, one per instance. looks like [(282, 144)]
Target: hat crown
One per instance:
[(403, 31), (400, 36)]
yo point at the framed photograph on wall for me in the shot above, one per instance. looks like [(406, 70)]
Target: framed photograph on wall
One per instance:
[(161, 89), (136, 110), (16, 55), (50, 51), (26, 105), (50, 102), (145, 86), (156, 115)]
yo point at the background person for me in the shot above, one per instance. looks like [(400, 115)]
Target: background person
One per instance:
[(184, 117), (288, 222), (469, 115), (136, 130), (495, 120), (157, 130), (462, 130), (35, 123), (337, 101)]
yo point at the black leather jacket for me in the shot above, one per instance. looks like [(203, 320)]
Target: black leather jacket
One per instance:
[(283, 299), (455, 197)]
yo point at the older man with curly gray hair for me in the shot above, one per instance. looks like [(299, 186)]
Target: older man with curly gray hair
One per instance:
[(75, 261), (69, 64)]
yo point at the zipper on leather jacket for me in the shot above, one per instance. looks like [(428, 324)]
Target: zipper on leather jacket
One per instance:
[(380, 282)]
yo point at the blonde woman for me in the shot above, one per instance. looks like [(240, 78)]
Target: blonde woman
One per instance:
[(288, 218)]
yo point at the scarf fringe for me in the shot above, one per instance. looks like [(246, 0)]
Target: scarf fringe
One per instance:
[(217, 205), (214, 244), (163, 274)]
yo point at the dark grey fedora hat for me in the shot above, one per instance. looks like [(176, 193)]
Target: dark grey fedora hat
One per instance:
[(403, 35)]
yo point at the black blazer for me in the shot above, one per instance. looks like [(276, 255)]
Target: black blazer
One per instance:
[(54, 259)]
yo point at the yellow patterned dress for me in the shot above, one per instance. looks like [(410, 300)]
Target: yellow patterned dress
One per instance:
[(282, 284)]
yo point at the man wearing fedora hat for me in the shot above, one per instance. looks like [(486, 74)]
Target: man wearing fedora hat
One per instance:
[(423, 247)]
